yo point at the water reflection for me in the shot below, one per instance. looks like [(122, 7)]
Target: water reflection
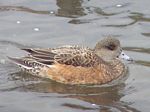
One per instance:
[(70, 8), (23, 9), (135, 17), (144, 63), (146, 34), (101, 12), (140, 50), (137, 49), (106, 98), (82, 21), (67, 8), (139, 17), (74, 9), (74, 106), (97, 10)]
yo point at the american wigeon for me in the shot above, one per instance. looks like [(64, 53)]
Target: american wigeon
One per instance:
[(76, 65)]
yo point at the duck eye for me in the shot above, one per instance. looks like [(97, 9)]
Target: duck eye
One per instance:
[(111, 47)]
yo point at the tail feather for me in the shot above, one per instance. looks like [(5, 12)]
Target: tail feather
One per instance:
[(41, 55), (28, 50), (29, 65), (21, 62), (46, 52), (27, 62)]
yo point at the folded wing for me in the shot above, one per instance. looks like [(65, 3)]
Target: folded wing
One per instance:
[(69, 55)]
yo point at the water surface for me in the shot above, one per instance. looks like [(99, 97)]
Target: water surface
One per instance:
[(50, 23)]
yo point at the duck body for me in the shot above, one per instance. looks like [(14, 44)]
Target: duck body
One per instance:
[(71, 65)]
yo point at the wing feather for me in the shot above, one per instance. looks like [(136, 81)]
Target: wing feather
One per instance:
[(69, 55)]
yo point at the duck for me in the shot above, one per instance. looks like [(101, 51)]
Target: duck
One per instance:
[(72, 64)]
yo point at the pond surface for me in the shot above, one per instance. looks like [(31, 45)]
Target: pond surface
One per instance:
[(50, 23)]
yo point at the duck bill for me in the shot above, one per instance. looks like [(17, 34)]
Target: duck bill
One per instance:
[(125, 57)]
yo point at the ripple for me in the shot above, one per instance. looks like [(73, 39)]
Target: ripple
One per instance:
[(137, 49), (44, 23), (104, 13), (144, 63), (136, 16), (74, 106), (146, 34), (23, 9)]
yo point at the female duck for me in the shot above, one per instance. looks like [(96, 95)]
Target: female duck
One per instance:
[(77, 65)]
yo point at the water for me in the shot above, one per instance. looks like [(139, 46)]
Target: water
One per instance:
[(50, 23)]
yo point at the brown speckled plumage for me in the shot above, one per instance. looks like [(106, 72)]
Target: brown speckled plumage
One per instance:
[(74, 64)]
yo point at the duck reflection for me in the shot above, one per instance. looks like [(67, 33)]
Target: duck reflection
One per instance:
[(105, 97)]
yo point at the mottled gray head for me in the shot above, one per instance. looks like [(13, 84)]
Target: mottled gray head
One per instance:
[(109, 48)]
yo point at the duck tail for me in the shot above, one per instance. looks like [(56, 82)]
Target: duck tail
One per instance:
[(21, 63)]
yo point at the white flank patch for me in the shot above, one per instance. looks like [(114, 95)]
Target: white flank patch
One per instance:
[(23, 66), (51, 66)]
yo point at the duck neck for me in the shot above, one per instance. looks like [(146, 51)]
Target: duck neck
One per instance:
[(102, 54), (112, 70)]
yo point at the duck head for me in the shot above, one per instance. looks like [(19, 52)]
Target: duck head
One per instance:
[(109, 49)]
